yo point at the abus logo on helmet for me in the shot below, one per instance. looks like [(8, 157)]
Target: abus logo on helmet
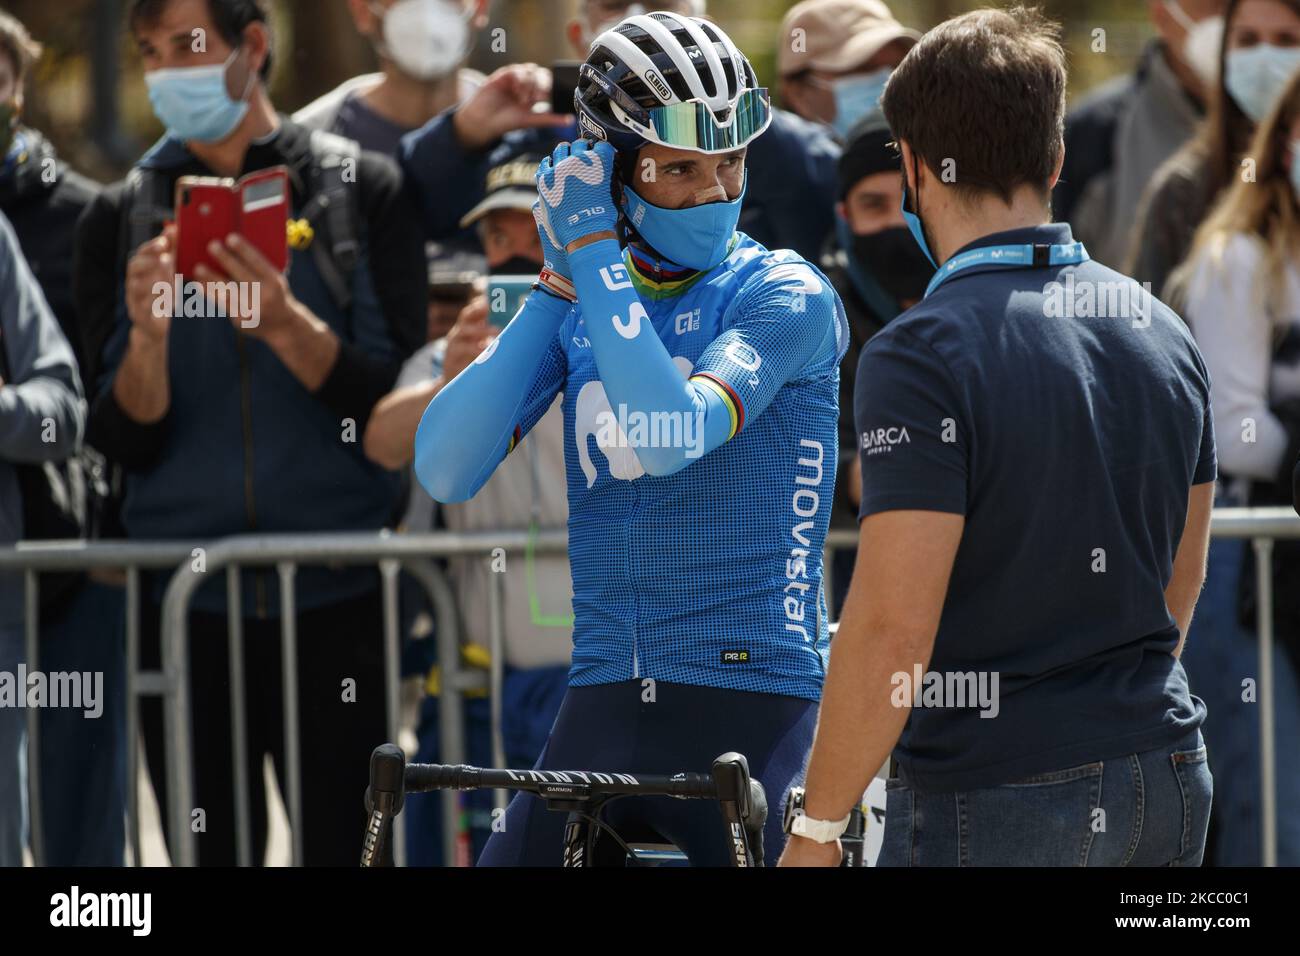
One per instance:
[(659, 85), (883, 440), (590, 126)]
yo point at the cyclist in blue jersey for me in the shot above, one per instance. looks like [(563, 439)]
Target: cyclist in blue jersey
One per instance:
[(699, 374)]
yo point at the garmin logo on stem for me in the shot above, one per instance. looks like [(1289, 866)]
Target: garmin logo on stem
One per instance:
[(881, 441), (123, 910)]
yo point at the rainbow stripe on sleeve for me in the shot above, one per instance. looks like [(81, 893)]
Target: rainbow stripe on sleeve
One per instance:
[(729, 398)]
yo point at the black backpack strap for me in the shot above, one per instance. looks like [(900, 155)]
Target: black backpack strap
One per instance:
[(334, 199), (146, 205)]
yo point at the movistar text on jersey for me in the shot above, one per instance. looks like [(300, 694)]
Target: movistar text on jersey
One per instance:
[(635, 429)]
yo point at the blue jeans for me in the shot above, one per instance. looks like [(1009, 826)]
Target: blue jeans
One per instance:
[(1147, 809), (1219, 655)]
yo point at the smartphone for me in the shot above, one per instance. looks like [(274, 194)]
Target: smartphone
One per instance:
[(256, 207), (505, 296), (564, 83)]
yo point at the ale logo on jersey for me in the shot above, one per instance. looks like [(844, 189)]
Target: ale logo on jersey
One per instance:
[(882, 441)]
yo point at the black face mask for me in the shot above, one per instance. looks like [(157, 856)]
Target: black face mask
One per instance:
[(894, 260), (516, 266)]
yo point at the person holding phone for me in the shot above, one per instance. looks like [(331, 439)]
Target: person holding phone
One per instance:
[(699, 373), (251, 421)]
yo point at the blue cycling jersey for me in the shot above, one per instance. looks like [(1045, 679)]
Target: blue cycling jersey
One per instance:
[(708, 569)]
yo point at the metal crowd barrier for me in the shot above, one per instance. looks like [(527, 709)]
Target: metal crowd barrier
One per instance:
[(390, 553)]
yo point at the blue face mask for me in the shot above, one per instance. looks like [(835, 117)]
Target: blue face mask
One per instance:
[(914, 224), (856, 96), (1295, 167), (696, 238), (1257, 75), (192, 102)]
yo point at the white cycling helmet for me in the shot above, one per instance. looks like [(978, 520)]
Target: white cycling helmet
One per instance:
[(673, 80)]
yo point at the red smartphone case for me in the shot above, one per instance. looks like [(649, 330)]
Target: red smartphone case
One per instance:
[(256, 207)]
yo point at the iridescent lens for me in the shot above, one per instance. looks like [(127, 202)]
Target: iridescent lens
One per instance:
[(692, 126)]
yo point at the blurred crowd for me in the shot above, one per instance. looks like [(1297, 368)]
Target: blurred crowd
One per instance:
[(414, 187)]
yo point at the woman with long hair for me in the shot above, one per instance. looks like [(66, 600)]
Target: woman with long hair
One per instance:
[(1242, 282), (1261, 46)]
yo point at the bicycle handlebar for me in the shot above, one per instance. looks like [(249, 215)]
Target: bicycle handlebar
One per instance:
[(570, 784), (740, 797)]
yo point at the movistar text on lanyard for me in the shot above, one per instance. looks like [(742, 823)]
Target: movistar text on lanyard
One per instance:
[(1010, 257)]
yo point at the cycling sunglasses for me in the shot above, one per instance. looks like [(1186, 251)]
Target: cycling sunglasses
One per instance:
[(692, 125)]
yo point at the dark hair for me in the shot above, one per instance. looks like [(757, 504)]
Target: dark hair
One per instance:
[(985, 91), (1226, 132), (17, 44), (229, 16)]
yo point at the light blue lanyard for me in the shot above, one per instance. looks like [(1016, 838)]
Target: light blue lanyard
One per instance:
[(1010, 257)]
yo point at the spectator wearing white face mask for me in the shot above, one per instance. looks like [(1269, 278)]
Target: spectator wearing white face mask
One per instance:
[(421, 45), (1120, 134), (1243, 304), (1261, 47)]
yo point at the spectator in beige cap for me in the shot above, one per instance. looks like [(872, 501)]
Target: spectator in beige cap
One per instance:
[(835, 56)]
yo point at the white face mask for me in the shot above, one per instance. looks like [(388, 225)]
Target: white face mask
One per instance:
[(426, 39), (1202, 43)]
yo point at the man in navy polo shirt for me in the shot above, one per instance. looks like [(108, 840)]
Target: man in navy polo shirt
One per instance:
[(1037, 476)]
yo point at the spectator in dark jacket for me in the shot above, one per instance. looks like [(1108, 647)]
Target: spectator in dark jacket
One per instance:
[(83, 762), (834, 58), (250, 420), (1120, 134), (879, 271), (42, 416)]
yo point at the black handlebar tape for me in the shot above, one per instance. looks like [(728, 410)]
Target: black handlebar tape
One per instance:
[(386, 793), (756, 820), (731, 774)]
